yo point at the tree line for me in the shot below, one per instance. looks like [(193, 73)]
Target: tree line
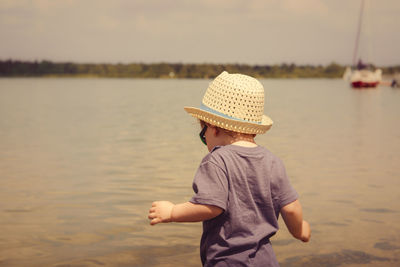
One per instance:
[(15, 68)]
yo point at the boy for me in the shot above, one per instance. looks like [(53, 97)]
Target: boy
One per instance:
[(240, 188)]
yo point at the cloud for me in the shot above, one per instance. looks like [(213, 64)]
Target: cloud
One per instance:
[(252, 31)]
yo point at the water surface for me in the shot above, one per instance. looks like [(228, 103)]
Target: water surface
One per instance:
[(81, 160)]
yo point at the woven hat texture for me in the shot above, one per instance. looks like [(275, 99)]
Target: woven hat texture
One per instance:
[(234, 102)]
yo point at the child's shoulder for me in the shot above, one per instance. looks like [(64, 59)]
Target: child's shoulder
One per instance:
[(221, 152), (224, 156)]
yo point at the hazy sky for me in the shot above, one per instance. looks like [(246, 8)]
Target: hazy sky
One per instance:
[(199, 31)]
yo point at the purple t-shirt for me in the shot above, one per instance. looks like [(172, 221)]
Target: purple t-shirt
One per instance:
[(251, 186)]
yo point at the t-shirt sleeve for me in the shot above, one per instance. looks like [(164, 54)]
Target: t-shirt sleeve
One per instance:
[(210, 185), (282, 191)]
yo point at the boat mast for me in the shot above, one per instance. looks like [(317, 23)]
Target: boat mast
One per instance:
[(358, 33)]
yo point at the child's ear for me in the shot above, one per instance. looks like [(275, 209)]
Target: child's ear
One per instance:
[(216, 131)]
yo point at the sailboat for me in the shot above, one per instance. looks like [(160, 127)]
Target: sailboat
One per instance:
[(362, 75)]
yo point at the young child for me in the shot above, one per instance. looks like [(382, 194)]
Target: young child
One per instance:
[(240, 188)]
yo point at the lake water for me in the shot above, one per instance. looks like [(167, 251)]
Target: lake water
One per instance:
[(81, 161)]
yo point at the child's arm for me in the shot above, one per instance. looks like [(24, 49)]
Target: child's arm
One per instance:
[(165, 211), (292, 214)]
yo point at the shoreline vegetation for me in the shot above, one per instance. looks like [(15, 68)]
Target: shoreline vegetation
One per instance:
[(44, 68)]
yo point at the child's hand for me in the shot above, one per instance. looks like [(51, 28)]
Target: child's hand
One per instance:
[(160, 212), (305, 232)]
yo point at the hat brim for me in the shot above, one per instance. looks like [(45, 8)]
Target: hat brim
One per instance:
[(231, 124)]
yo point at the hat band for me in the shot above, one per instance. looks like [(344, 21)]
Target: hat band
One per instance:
[(210, 110)]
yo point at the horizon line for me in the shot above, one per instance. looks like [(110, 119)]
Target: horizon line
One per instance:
[(185, 63)]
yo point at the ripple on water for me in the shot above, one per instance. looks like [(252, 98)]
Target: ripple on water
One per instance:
[(18, 210), (386, 246), (378, 210), (283, 242), (336, 224), (344, 257)]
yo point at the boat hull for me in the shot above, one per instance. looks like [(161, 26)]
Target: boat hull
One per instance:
[(361, 84)]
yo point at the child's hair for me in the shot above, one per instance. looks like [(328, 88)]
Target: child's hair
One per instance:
[(230, 133)]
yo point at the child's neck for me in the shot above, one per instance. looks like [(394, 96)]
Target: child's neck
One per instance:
[(237, 139), (244, 143)]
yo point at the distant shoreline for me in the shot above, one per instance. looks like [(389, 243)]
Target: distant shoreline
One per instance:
[(15, 68)]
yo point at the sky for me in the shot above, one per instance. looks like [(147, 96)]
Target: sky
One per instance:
[(262, 32)]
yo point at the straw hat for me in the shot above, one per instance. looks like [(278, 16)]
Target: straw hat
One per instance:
[(234, 102)]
